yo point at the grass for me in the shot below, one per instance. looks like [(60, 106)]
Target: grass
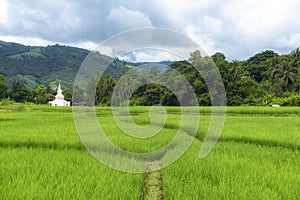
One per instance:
[(30, 81), (30, 128), (41, 173), (234, 171), (257, 156), (264, 130), (30, 53)]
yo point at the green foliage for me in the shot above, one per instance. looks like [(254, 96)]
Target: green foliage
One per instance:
[(20, 93), (5, 102), (261, 57), (41, 96), (218, 57), (67, 94), (19, 108), (104, 90), (22, 56), (3, 87), (34, 66), (263, 79)]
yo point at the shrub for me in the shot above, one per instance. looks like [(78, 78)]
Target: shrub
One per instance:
[(5, 102)]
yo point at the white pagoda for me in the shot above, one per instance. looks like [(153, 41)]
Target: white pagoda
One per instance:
[(59, 98)]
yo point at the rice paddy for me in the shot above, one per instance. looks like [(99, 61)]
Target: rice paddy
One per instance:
[(256, 157)]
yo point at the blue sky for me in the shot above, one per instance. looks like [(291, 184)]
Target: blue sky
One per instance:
[(238, 28)]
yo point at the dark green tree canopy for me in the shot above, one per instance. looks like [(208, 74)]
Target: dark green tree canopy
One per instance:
[(3, 87), (262, 79)]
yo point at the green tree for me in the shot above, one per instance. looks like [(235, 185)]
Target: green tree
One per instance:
[(169, 99), (41, 96), (3, 87), (261, 57), (296, 64), (152, 95), (250, 91), (67, 94), (104, 90), (236, 70), (195, 57), (283, 75), (289, 75), (273, 69), (217, 57), (20, 93), (78, 95)]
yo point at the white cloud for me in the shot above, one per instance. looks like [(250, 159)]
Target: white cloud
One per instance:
[(3, 11), (27, 40), (122, 19), (152, 56), (237, 28), (289, 41), (125, 58), (212, 25), (105, 51), (258, 18), (203, 39), (188, 11), (41, 42)]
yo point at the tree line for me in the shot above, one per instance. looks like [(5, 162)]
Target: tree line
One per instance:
[(263, 79), (18, 92)]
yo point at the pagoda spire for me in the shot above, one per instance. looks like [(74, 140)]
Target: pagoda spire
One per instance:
[(59, 88), (59, 94), (59, 98)]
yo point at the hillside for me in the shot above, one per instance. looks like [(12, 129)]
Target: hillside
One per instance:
[(34, 65)]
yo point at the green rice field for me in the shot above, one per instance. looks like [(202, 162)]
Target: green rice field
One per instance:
[(256, 157)]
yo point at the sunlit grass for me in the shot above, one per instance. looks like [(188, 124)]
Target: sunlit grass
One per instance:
[(257, 156), (41, 173), (234, 171)]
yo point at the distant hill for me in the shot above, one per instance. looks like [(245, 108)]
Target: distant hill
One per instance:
[(162, 65), (166, 62), (34, 65)]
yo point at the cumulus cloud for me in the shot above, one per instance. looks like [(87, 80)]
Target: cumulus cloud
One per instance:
[(148, 56), (153, 56), (204, 39), (122, 19), (27, 40), (3, 11), (237, 28), (252, 26), (288, 41)]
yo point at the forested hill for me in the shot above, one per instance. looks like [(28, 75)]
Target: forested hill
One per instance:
[(35, 65), (263, 79)]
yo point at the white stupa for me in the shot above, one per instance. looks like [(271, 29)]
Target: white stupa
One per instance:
[(59, 98)]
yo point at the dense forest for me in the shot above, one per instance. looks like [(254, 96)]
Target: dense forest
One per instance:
[(263, 79), (36, 65)]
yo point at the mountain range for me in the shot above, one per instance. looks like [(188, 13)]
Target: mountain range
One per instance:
[(35, 65)]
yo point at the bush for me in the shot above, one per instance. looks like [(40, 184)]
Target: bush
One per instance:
[(5, 102), (290, 100)]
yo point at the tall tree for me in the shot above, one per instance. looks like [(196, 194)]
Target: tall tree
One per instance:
[(104, 90), (195, 57), (41, 96), (236, 70), (3, 87), (218, 57), (20, 93), (289, 75), (296, 65)]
